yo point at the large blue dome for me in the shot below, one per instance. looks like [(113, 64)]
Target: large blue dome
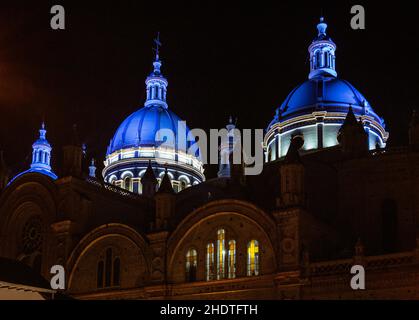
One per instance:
[(140, 128), (317, 108), (332, 94)]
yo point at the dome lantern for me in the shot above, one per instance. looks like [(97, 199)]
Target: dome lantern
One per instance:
[(156, 83), (322, 54)]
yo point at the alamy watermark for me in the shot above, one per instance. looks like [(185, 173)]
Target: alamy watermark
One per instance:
[(243, 146)]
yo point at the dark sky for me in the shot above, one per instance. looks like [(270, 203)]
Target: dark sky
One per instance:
[(241, 59)]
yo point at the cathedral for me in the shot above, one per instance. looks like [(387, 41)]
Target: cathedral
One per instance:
[(332, 195)]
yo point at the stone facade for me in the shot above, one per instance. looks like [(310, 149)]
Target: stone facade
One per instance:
[(314, 216)]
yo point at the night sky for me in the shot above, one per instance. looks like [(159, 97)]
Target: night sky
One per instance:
[(240, 59)]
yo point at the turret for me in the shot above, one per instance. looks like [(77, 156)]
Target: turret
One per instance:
[(292, 176), (73, 154), (352, 136), (165, 203), (149, 182)]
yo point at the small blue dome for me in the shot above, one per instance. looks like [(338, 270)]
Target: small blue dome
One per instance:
[(323, 93), (140, 128)]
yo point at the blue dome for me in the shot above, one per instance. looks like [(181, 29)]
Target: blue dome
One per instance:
[(140, 128), (325, 93)]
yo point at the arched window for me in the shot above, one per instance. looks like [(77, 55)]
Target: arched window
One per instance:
[(318, 59), (109, 271), (116, 271), (253, 258), (183, 185), (108, 267), (221, 254), (100, 268), (128, 183), (389, 225), (191, 265), (231, 259), (210, 262)]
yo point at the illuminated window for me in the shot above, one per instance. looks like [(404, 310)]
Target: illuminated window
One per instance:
[(128, 184), (221, 254), (210, 262), (231, 259), (253, 258), (109, 271), (191, 265), (318, 59), (140, 187)]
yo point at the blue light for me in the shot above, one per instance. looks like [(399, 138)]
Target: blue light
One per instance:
[(41, 157)]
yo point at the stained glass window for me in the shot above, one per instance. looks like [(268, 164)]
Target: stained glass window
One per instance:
[(253, 258), (231, 259), (210, 262)]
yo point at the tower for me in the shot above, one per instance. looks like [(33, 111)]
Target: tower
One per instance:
[(322, 54), (226, 150), (292, 176)]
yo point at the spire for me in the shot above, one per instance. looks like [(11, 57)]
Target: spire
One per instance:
[(166, 184), (350, 118), (149, 174), (156, 83), (352, 136), (149, 181), (92, 169), (293, 155), (322, 54)]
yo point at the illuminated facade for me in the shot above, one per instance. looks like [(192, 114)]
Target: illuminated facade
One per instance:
[(153, 133), (292, 232), (317, 108)]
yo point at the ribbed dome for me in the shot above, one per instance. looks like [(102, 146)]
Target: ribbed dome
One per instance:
[(331, 94), (140, 128)]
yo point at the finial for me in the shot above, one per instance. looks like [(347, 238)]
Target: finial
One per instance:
[(42, 131), (92, 169), (157, 62), (230, 126), (158, 45), (322, 26)]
